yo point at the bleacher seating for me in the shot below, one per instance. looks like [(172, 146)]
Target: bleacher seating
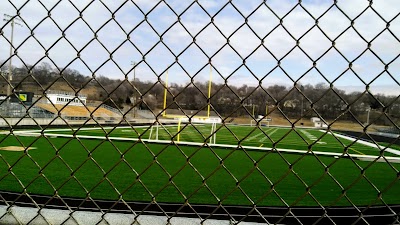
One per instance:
[(74, 111), (17, 110), (147, 114), (103, 112)]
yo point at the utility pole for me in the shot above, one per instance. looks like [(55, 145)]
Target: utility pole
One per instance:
[(134, 91), (8, 18)]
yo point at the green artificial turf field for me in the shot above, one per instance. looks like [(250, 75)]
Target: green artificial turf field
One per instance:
[(231, 135), (140, 170)]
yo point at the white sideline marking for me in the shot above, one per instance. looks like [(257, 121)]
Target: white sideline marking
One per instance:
[(391, 150), (361, 157), (81, 129)]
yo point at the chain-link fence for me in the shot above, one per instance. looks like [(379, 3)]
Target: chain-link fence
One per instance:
[(180, 112)]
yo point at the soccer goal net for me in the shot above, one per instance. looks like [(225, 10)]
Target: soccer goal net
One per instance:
[(183, 131), (260, 122)]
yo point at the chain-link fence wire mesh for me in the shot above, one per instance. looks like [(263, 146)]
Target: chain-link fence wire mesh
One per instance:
[(153, 66)]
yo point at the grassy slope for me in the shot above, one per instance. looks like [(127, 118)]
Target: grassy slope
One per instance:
[(169, 171)]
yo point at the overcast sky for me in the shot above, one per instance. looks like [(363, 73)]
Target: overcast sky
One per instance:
[(370, 25)]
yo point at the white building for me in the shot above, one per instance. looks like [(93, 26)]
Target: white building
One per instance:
[(315, 119), (63, 98)]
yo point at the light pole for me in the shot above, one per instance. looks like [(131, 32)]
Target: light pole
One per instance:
[(368, 111), (134, 91), (8, 18)]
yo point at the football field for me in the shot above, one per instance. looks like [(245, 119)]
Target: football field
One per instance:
[(203, 163), (300, 140)]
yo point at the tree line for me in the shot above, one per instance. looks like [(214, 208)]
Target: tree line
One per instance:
[(299, 100)]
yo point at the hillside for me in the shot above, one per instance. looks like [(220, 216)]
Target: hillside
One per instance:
[(294, 101)]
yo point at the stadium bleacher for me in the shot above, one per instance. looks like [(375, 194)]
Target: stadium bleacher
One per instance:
[(75, 111)]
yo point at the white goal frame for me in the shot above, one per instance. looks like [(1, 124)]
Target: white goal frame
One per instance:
[(154, 130), (260, 122)]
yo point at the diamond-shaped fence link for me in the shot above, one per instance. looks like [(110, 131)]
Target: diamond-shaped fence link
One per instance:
[(178, 112)]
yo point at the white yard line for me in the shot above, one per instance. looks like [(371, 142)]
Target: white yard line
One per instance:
[(366, 143), (311, 137), (308, 135), (271, 133), (253, 137)]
